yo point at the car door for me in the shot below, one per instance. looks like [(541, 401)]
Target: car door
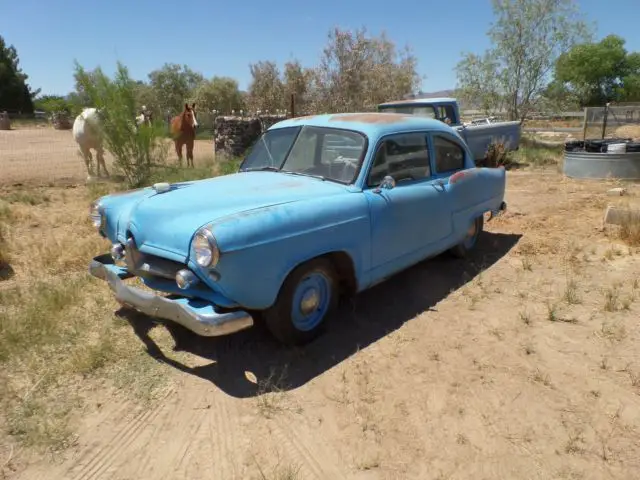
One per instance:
[(411, 217)]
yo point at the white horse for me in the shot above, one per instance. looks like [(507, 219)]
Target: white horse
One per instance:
[(145, 117), (88, 135)]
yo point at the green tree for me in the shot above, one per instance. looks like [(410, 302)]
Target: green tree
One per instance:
[(297, 82), (173, 85), (15, 92), (358, 71), (266, 90), (527, 38), (52, 103), (600, 72), (219, 93)]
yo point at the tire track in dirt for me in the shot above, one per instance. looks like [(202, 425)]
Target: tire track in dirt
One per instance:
[(165, 424), (314, 456), (178, 441), (223, 427), (106, 455)]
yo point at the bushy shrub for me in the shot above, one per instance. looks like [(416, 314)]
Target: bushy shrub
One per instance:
[(497, 155), (136, 150)]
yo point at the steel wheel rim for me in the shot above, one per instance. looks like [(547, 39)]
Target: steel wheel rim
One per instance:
[(310, 301)]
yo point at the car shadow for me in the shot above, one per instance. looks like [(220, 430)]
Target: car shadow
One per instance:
[(359, 322)]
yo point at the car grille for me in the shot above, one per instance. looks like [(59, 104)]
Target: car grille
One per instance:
[(149, 266)]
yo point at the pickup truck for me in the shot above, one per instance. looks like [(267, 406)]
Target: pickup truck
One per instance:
[(477, 136)]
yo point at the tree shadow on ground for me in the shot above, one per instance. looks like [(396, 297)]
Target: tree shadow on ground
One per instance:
[(358, 323)]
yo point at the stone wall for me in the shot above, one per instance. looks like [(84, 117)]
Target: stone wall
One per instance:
[(234, 135)]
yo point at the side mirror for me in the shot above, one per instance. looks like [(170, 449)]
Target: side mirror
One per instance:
[(388, 182)]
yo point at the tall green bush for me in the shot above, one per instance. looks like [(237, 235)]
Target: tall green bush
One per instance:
[(136, 150)]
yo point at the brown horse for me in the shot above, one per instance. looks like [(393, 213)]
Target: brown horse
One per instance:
[(183, 130)]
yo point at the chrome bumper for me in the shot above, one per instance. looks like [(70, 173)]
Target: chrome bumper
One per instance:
[(198, 316)]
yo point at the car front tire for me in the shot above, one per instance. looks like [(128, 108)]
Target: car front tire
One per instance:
[(307, 297)]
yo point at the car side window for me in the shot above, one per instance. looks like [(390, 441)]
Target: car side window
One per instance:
[(404, 156), (449, 156)]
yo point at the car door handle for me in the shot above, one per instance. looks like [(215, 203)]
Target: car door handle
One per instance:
[(438, 184)]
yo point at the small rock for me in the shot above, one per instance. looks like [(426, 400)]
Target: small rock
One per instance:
[(616, 192)]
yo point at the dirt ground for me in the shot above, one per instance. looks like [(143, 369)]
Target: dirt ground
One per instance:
[(43, 154), (518, 362)]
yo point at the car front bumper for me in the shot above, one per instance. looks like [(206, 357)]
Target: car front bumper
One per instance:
[(196, 315)]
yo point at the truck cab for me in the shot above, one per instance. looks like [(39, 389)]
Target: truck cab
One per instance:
[(442, 109)]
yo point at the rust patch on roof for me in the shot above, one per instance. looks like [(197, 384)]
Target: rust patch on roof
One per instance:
[(305, 117), (370, 117)]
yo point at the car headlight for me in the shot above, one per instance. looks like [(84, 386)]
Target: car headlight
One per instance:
[(205, 248), (95, 214)]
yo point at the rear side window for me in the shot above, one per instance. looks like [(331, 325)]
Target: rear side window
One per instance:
[(403, 156), (449, 156)]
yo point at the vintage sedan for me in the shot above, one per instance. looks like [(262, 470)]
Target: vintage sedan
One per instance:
[(321, 206)]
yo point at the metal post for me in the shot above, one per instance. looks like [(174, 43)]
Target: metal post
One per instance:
[(604, 122), (584, 125)]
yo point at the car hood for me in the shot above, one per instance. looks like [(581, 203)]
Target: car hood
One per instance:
[(166, 222)]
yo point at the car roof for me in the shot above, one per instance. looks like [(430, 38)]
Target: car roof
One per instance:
[(372, 124)]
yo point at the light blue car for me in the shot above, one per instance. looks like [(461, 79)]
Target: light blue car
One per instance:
[(322, 206)]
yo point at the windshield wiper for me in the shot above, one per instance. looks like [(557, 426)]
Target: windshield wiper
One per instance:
[(304, 174), (262, 169)]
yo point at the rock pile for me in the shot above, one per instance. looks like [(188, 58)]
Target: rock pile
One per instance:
[(234, 135)]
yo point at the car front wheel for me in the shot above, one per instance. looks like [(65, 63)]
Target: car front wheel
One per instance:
[(471, 238), (307, 297)]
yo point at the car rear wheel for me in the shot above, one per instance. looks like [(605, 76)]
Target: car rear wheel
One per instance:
[(307, 297), (471, 238)]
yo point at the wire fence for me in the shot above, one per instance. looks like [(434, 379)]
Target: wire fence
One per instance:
[(612, 121)]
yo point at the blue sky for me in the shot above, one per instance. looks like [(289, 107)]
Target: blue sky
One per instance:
[(223, 38)]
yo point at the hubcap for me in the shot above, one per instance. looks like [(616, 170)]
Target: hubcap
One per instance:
[(310, 301)]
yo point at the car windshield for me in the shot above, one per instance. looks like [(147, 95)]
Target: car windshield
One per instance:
[(419, 110), (326, 153)]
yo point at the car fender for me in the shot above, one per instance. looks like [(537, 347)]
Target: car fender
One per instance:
[(261, 247), (473, 192)]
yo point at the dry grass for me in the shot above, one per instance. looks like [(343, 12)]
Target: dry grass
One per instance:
[(629, 231), (5, 220), (628, 131), (58, 330)]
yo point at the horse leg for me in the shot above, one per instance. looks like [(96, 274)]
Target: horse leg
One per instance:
[(100, 161), (178, 144), (86, 156), (190, 153)]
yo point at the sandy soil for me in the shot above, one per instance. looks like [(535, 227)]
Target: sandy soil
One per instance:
[(520, 362), (43, 155)]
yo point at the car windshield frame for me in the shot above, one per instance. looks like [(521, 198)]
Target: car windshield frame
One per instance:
[(279, 164)]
